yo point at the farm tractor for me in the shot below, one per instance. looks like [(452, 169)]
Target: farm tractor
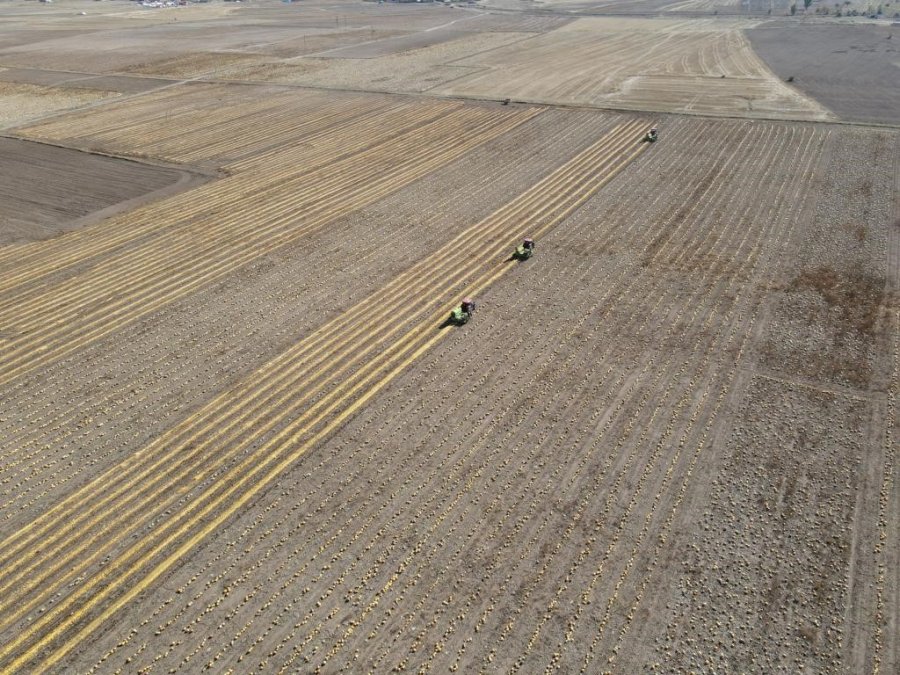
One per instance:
[(462, 312), (524, 250), (651, 136)]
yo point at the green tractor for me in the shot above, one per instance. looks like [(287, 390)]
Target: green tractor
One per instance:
[(651, 136), (524, 250), (462, 312)]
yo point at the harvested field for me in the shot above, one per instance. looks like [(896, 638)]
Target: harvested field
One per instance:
[(395, 45), (22, 102), (648, 7), (113, 83), (642, 64), (24, 36), (45, 78), (854, 70), (207, 41), (225, 220), (222, 124), (411, 71), (239, 434), (46, 190), (636, 293)]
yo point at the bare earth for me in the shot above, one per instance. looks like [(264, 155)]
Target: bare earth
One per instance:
[(46, 189), (238, 434), (853, 70)]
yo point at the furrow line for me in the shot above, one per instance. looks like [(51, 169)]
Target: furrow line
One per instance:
[(80, 245), (502, 269), (215, 206), (278, 377), (105, 320)]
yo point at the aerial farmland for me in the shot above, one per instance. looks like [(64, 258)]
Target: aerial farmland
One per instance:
[(240, 432)]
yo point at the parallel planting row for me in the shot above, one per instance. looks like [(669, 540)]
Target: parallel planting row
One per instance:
[(121, 271), (504, 507), (59, 427), (179, 489), (210, 123)]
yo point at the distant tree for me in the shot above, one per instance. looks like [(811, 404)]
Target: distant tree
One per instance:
[(793, 9), (806, 4)]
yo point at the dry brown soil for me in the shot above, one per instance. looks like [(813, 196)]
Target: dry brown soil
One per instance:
[(46, 190), (853, 70), (237, 433)]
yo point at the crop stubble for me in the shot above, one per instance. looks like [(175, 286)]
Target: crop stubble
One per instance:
[(509, 496), (401, 351), (492, 460), (210, 328)]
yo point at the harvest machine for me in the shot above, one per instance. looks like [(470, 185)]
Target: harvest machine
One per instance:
[(462, 312), (524, 250)]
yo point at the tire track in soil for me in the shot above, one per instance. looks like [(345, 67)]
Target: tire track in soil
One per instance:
[(623, 468), (343, 551), (886, 648), (885, 614), (114, 304), (35, 465), (367, 381), (426, 594)]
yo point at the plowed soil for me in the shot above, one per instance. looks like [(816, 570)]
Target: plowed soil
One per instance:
[(852, 70), (46, 190), (641, 64), (239, 434)]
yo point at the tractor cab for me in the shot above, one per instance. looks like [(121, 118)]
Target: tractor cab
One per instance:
[(525, 250), (463, 312)]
